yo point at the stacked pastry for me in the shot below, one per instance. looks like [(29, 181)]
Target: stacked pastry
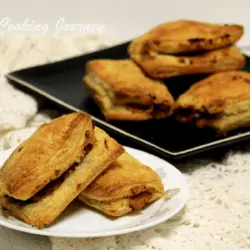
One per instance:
[(188, 47), (132, 89), (60, 160)]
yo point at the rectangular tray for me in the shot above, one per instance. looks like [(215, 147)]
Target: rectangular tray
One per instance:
[(61, 83)]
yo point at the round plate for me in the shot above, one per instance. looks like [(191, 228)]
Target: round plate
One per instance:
[(79, 221)]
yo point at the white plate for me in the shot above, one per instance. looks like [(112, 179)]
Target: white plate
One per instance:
[(81, 222)]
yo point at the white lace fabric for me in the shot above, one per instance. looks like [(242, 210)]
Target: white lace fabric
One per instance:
[(217, 216)]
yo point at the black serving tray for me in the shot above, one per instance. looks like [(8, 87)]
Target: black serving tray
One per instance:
[(61, 83)]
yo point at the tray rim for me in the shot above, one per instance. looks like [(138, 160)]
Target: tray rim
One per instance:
[(179, 154)]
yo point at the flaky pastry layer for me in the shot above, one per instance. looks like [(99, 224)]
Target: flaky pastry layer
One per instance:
[(221, 101), (126, 185), (123, 92), (123, 206), (46, 155), (165, 66)]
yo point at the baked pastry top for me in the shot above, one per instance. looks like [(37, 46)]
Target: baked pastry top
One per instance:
[(221, 101), (46, 205), (124, 186), (123, 92), (164, 66), (48, 153), (185, 36)]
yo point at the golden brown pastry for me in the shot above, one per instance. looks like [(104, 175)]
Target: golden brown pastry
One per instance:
[(165, 66), (126, 185), (188, 47), (221, 101), (123, 92), (48, 153), (46, 205), (185, 36)]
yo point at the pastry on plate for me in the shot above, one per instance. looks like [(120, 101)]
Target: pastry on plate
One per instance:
[(185, 36), (50, 169), (221, 101), (126, 185), (165, 66), (47, 154), (123, 92)]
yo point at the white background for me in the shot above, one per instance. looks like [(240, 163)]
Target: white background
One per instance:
[(128, 18)]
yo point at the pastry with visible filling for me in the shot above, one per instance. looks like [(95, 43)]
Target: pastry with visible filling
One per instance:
[(47, 154), (186, 36), (221, 101), (188, 47), (51, 168), (125, 186), (123, 92)]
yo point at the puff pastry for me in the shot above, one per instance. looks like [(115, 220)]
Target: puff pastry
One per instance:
[(45, 206), (123, 92), (126, 185), (221, 101), (165, 66), (185, 36), (48, 153)]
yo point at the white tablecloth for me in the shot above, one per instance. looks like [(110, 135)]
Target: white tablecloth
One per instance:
[(217, 215)]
